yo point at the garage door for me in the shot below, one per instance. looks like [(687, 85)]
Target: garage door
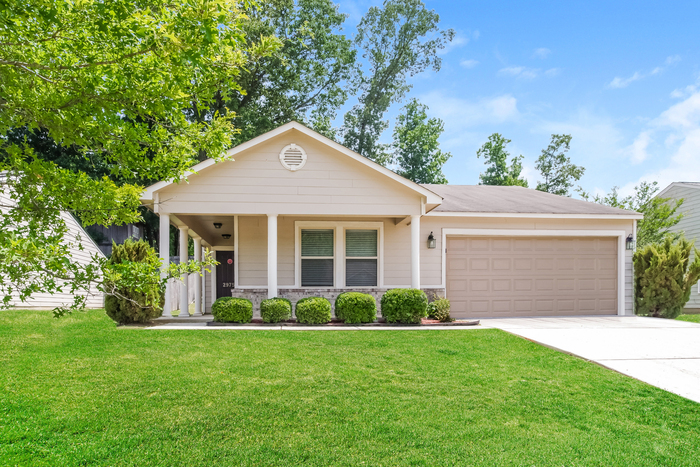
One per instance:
[(531, 276)]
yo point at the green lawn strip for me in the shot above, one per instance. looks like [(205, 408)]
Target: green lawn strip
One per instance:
[(690, 318), (80, 391)]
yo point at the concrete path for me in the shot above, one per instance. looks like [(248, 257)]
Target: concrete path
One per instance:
[(661, 352), (191, 326)]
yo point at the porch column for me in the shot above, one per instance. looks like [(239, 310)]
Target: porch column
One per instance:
[(203, 284), (184, 257), (164, 248), (198, 281), (415, 252), (271, 255)]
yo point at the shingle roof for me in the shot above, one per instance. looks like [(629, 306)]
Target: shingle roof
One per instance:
[(514, 199)]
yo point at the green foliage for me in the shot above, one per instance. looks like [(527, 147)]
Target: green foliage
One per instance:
[(356, 307), (556, 168), (660, 214), (275, 310), (496, 158), (416, 147), (232, 310), (440, 309), (142, 302), (406, 306), (305, 80), (313, 310), (664, 276), (398, 40), (109, 81)]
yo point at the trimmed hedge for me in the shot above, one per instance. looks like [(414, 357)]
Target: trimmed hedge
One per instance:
[(232, 310), (275, 310), (440, 309), (356, 307), (405, 306), (313, 310)]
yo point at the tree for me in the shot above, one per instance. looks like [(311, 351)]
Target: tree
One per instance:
[(660, 214), (305, 80), (496, 158), (111, 80), (416, 147), (556, 168), (399, 40), (664, 276)]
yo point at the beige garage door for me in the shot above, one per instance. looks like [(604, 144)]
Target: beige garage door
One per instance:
[(531, 276)]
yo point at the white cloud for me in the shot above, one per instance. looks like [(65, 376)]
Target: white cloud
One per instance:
[(637, 151), (519, 72), (673, 59), (552, 72), (618, 82), (458, 41), (542, 52), (468, 63), (461, 113), (476, 34)]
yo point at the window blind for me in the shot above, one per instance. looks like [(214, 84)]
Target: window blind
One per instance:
[(361, 243), (317, 251)]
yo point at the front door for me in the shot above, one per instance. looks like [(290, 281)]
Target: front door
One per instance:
[(224, 273)]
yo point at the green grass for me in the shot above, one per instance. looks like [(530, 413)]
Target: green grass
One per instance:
[(80, 391), (690, 318)]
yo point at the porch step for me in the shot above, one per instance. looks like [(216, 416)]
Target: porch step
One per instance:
[(177, 319)]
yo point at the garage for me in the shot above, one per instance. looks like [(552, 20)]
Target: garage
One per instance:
[(501, 276)]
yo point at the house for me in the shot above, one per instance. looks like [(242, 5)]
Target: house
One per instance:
[(105, 235), (689, 225), (292, 213), (46, 301)]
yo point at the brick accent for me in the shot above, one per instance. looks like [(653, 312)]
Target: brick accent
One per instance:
[(294, 295)]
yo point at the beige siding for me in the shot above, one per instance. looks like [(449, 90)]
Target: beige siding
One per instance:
[(690, 226), (252, 251), (48, 301), (256, 183)]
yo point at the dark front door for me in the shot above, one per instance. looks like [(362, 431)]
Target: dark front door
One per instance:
[(224, 273)]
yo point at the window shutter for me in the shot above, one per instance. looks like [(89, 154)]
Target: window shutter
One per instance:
[(360, 243)]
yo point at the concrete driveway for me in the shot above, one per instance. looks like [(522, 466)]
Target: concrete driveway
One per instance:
[(661, 352)]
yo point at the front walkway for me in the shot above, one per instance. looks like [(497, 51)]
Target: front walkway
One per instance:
[(664, 353)]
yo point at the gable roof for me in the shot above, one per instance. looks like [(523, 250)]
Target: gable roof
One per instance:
[(431, 197), (484, 200), (678, 184)]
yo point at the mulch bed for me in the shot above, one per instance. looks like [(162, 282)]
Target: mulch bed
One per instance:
[(337, 323)]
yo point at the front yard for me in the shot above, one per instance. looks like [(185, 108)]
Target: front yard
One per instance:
[(80, 391)]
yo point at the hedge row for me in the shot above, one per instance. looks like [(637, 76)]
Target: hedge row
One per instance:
[(405, 306)]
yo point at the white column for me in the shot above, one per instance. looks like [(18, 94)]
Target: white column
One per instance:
[(184, 257), (198, 282), (415, 252), (164, 247), (271, 255), (203, 285), (212, 278)]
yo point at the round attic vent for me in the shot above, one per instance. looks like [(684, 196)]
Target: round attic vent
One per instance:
[(293, 157)]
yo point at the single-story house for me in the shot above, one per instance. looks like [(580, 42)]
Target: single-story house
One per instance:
[(46, 301), (689, 225), (292, 213)]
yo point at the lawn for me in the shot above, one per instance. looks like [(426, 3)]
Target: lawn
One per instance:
[(690, 318), (80, 391)]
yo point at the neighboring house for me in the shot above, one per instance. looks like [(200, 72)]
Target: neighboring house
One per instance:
[(293, 213), (105, 235), (689, 224), (49, 301)]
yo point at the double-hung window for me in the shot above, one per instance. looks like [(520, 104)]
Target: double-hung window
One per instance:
[(317, 257), (361, 258)]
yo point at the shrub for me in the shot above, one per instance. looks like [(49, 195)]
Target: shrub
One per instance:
[(440, 309), (313, 310), (663, 277), (124, 304), (232, 310), (275, 310), (406, 306), (356, 307)]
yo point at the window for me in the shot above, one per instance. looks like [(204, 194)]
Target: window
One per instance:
[(361, 258), (317, 257)]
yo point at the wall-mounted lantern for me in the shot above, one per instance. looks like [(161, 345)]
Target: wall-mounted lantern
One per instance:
[(630, 242), (217, 225), (432, 243), (226, 236)]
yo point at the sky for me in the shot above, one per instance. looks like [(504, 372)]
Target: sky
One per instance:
[(623, 78)]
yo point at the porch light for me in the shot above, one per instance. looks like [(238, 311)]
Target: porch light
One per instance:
[(630, 242), (217, 225), (432, 243), (226, 236)]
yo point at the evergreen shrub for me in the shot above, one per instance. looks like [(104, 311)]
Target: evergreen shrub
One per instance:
[(313, 310), (275, 310), (356, 307), (232, 310), (406, 306)]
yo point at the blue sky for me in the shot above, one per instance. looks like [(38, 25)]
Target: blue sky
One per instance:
[(623, 78)]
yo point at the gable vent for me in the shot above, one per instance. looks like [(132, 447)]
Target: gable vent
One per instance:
[(293, 157)]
